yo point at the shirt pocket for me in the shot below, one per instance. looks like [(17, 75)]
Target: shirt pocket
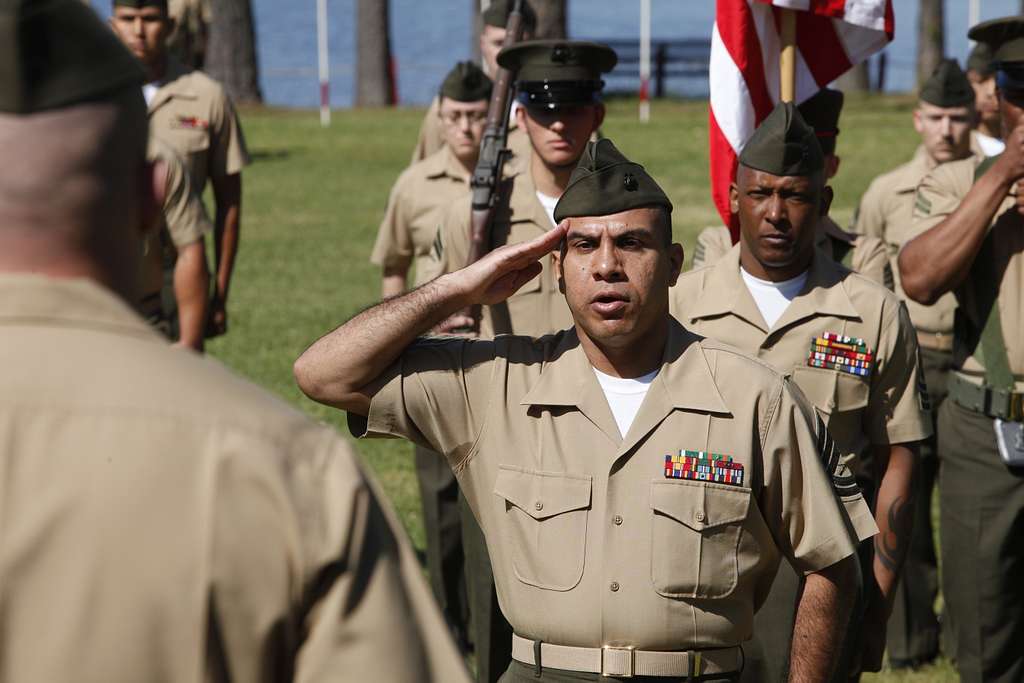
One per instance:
[(695, 537), (545, 525), (832, 391)]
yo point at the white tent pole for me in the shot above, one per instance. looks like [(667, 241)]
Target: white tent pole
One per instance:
[(325, 65), (645, 60)]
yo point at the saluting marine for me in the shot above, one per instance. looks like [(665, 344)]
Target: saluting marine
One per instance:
[(943, 119), (164, 520), (971, 243), (862, 254), (849, 346), (635, 482)]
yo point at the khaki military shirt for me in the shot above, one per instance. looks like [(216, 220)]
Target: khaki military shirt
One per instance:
[(591, 543), (183, 221), (885, 405), (419, 198), (538, 308), (165, 520), (996, 274), (864, 255), (191, 113), (886, 212)]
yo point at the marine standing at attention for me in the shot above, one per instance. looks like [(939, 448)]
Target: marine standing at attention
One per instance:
[(636, 483), (943, 119), (849, 346), (492, 39), (558, 88), (861, 254), (406, 235), (981, 71), (190, 112), (176, 251), (164, 520), (969, 214)]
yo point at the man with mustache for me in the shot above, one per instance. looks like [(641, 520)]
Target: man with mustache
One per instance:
[(849, 346), (943, 119), (971, 242), (637, 484)]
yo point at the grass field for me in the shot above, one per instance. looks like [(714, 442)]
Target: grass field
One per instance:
[(314, 197)]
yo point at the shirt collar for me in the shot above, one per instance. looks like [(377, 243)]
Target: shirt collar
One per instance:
[(445, 164), (42, 301), (173, 85)]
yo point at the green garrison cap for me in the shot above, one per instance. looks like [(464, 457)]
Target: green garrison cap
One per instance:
[(139, 4), (467, 82), (550, 73), (948, 86), (605, 182), (56, 53), (821, 112), (980, 60), (497, 13), (784, 145), (1005, 37)]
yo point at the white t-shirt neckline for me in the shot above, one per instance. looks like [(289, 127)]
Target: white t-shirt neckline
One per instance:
[(625, 396), (773, 298), (548, 202)]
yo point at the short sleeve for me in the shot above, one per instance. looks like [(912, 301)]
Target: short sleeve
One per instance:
[(436, 395), (871, 259), (899, 410), (451, 246), (228, 151), (713, 243), (869, 216), (800, 499), (940, 192), (394, 248), (183, 211)]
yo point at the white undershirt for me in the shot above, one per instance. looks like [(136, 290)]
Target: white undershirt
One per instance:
[(772, 298), (548, 202), (989, 145), (149, 91), (624, 396)]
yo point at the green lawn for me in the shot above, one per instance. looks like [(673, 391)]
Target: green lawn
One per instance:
[(314, 198)]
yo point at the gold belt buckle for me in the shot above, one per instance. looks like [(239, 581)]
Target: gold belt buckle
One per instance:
[(618, 661)]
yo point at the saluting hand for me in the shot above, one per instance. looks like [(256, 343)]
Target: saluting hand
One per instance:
[(500, 273)]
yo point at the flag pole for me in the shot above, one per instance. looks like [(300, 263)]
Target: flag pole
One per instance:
[(325, 65), (787, 58), (645, 60)]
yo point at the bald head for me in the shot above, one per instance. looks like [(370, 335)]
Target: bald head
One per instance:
[(78, 197)]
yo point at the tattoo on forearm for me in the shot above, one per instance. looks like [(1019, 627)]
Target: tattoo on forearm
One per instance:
[(901, 522)]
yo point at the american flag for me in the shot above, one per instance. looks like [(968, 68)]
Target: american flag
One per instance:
[(831, 35)]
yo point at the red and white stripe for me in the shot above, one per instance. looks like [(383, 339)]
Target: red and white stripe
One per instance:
[(831, 36)]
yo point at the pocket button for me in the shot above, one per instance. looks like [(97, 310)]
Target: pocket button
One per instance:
[(617, 520), (538, 506), (615, 586), (700, 515)]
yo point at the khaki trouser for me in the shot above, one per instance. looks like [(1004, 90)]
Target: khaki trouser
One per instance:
[(913, 634), (525, 673), (982, 530), (490, 632)]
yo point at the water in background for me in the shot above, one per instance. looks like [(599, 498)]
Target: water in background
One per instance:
[(427, 38)]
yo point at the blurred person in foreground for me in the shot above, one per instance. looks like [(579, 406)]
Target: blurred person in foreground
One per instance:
[(164, 520), (861, 254), (404, 239), (636, 483), (970, 241), (190, 112), (943, 118)]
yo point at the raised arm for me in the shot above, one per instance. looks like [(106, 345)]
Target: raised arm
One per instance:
[(338, 367), (938, 260)]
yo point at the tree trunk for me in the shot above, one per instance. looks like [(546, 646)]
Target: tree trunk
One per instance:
[(855, 80), (552, 18), (931, 39), (375, 84), (231, 50), (476, 25)]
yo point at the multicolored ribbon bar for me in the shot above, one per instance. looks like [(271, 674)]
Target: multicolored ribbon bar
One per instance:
[(704, 466), (833, 351)]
